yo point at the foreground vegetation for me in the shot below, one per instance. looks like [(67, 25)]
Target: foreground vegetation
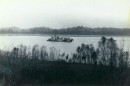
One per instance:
[(106, 65)]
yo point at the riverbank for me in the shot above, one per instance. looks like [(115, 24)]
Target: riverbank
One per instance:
[(105, 65), (77, 30), (64, 35)]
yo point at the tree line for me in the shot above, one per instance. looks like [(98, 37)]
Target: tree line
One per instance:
[(79, 30), (107, 54)]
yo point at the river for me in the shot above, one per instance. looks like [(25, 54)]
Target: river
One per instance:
[(7, 42)]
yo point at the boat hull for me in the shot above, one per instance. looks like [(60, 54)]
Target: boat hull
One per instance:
[(71, 40)]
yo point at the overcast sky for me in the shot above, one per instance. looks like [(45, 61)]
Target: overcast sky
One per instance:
[(64, 13)]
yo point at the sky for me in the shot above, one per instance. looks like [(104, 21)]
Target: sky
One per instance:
[(64, 13)]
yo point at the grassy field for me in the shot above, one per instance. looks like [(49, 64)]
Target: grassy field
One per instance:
[(54, 73)]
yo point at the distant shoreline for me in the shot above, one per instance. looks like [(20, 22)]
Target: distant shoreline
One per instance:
[(63, 35), (78, 31)]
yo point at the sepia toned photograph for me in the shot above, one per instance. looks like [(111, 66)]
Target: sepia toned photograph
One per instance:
[(64, 42)]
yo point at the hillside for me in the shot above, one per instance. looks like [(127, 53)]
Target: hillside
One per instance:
[(79, 30)]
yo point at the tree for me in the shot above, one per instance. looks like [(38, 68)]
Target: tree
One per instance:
[(43, 54), (113, 51), (102, 50), (13, 61), (35, 52)]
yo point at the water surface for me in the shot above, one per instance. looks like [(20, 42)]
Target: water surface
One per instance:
[(8, 42)]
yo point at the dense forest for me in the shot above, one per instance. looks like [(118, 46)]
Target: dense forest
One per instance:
[(79, 30), (105, 65)]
